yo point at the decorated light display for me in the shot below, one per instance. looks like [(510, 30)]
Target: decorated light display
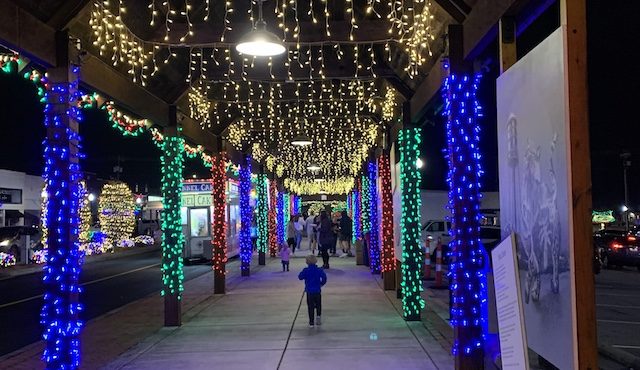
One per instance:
[(412, 303), (286, 212), (116, 213), (219, 227), (280, 222), (246, 247), (61, 308), (467, 269), (374, 235), (357, 212), (85, 216), (388, 258), (263, 213), (172, 164), (7, 259), (365, 203), (273, 233)]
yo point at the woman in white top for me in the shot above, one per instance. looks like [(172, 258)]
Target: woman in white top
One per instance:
[(312, 234)]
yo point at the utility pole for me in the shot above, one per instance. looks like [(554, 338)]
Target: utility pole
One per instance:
[(626, 163)]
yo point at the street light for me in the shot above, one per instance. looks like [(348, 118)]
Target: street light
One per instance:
[(301, 140), (91, 197)]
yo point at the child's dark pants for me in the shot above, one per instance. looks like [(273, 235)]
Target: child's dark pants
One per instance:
[(314, 302), (285, 265)]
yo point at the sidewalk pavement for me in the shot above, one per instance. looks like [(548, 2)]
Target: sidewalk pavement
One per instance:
[(262, 323)]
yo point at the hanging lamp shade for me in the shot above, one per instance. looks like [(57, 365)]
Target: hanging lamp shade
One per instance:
[(301, 140), (314, 167), (259, 42)]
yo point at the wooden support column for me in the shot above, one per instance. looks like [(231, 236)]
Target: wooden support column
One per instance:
[(60, 311), (574, 18), (219, 200), (507, 43), (173, 243)]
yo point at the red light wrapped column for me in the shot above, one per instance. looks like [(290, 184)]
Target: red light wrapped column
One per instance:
[(388, 258), (219, 226)]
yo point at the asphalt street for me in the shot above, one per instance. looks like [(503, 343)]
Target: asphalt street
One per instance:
[(107, 285), (618, 309)]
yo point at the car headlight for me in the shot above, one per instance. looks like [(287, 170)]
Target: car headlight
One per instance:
[(5, 243)]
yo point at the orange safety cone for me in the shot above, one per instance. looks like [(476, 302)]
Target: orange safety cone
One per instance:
[(427, 260), (438, 283)]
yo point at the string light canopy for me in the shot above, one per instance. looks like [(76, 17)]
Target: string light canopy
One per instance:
[(259, 42)]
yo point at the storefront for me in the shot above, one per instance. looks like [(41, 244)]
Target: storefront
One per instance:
[(20, 198)]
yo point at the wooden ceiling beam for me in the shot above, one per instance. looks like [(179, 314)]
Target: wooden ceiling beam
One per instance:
[(67, 13), (26, 34), (451, 9)]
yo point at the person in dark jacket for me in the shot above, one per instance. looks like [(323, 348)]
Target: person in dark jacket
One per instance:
[(346, 229), (325, 238), (314, 278)]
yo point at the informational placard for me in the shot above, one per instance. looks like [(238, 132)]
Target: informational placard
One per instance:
[(513, 340)]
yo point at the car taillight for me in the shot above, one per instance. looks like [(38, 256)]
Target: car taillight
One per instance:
[(616, 246), (631, 238)]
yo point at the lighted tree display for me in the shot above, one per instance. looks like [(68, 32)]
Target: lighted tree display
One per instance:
[(85, 215), (116, 212)]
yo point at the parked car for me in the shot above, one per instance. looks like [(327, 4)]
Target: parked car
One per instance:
[(12, 241), (617, 248)]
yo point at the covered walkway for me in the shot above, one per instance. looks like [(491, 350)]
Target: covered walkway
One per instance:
[(261, 323)]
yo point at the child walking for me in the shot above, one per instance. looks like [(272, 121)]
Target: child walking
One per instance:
[(314, 278), (284, 256)]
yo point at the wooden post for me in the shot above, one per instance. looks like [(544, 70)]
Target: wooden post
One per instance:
[(507, 43), (172, 301), (574, 18)]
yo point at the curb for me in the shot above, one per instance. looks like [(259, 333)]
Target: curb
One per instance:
[(33, 268), (622, 357)]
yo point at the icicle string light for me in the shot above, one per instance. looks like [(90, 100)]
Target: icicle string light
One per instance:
[(412, 303), (468, 259)]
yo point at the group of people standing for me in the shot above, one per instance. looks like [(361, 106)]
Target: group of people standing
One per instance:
[(323, 233)]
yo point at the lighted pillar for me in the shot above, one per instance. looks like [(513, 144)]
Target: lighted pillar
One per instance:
[(273, 231), (219, 240), (59, 315), (280, 224), (468, 261), (409, 142), (263, 218), (172, 163), (246, 248), (374, 223), (388, 258), (357, 206)]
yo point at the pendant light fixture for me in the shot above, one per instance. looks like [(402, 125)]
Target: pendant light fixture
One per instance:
[(314, 167), (259, 42), (301, 140)]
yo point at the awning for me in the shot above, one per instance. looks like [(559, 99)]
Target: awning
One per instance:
[(13, 213)]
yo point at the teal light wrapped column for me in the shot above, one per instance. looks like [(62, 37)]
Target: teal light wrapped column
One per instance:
[(410, 177), (172, 163)]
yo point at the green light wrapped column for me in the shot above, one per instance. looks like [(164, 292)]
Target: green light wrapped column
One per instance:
[(411, 285), (172, 163), (263, 217)]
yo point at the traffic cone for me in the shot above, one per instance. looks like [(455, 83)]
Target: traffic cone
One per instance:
[(438, 283), (426, 273)]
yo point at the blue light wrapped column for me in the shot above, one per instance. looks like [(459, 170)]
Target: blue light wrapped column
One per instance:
[(280, 218), (468, 260), (374, 236), (60, 311), (246, 247)]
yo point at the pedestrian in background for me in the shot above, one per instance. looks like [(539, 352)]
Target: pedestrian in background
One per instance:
[(325, 238), (299, 228), (291, 235), (346, 230), (311, 233), (284, 256), (314, 278)]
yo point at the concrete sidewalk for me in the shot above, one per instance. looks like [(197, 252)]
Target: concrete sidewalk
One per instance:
[(261, 323)]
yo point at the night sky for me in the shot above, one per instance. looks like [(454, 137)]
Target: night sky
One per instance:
[(614, 85)]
